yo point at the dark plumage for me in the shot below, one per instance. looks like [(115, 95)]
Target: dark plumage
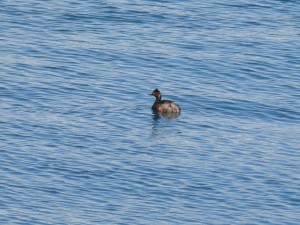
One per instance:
[(164, 106)]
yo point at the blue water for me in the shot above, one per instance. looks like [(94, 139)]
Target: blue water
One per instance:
[(79, 143)]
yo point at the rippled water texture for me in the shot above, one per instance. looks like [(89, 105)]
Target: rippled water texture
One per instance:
[(79, 142)]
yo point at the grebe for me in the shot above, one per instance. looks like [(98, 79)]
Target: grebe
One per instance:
[(164, 106)]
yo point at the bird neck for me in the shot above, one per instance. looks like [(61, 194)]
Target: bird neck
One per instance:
[(158, 98)]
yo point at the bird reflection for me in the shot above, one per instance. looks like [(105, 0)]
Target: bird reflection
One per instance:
[(161, 126), (156, 116)]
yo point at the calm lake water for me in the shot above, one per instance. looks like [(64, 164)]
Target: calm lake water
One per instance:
[(80, 144)]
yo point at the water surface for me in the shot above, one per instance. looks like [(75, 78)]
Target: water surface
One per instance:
[(80, 145)]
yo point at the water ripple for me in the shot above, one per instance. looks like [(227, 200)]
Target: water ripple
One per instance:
[(79, 142)]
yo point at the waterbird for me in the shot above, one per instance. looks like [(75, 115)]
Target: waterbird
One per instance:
[(164, 106)]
